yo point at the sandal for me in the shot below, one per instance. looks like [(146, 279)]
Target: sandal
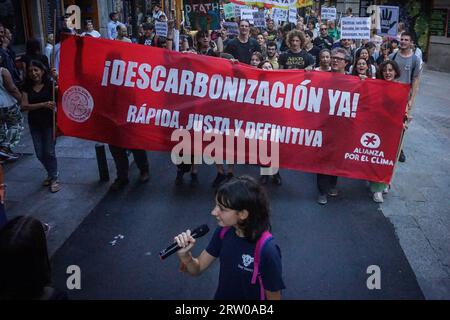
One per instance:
[(54, 186), (46, 182)]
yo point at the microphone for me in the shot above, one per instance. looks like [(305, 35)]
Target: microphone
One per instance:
[(174, 247)]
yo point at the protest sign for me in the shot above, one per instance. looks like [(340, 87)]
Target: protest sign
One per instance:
[(229, 11), (328, 13), (161, 29), (388, 21), (355, 28), (203, 15), (259, 19)]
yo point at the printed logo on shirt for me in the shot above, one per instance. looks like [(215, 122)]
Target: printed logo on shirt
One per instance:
[(77, 104), (247, 260)]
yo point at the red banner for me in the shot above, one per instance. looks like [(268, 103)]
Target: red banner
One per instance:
[(135, 96)]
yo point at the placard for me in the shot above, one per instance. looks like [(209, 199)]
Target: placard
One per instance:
[(355, 28), (328, 13), (161, 29)]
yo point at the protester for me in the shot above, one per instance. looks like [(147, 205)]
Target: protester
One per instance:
[(323, 41), (410, 69), (256, 59), (242, 47), (90, 31), (389, 71), (385, 51), (296, 57), (324, 61), (326, 184), (10, 115), (122, 33), (362, 69), (364, 53), (313, 29), (272, 55), (243, 214), (311, 48), (262, 44), (266, 65), (25, 272), (271, 30), (112, 25), (149, 37), (49, 47), (37, 99), (8, 58), (333, 31)]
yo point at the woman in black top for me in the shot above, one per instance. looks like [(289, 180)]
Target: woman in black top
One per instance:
[(37, 99)]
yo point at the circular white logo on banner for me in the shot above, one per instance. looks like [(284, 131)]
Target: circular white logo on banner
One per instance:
[(77, 103), (370, 140)]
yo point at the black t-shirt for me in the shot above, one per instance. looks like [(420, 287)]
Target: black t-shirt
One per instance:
[(291, 60), (315, 54), (242, 51), (42, 117), (147, 41), (323, 43)]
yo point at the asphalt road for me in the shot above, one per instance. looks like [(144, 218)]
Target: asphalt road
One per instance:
[(326, 250)]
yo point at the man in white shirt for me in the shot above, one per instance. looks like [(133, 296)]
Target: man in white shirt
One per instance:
[(112, 25), (89, 27)]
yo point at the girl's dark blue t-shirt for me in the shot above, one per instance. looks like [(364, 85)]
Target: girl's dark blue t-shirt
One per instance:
[(236, 266)]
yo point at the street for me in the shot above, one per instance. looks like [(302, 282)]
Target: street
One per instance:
[(115, 237)]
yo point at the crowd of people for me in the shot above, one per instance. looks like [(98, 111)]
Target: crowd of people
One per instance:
[(314, 45), (310, 44)]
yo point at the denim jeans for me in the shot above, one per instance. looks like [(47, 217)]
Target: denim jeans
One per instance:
[(44, 146)]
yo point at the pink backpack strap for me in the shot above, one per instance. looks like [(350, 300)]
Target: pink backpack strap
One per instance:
[(266, 236), (223, 231)]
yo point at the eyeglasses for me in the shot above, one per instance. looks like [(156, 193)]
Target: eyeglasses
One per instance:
[(323, 28), (337, 58)]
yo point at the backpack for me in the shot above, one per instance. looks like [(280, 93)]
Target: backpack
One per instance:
[(265, 237), (414, 64)]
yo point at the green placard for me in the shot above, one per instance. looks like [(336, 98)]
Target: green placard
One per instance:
[(438, 22)]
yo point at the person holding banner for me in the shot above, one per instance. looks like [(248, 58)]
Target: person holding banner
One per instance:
[(361, 68), (324, 61), (410, 69), (37, 99), (389, 71), (326, 184)]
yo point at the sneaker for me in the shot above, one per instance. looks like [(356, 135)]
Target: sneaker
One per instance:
[(118, 184), (219, 179), (194, 179), (322, 199), (277, 179), (54, 186), (144, 177), (402, 157), (264, 179), (378, 197), (179, 178), (333, 192)]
